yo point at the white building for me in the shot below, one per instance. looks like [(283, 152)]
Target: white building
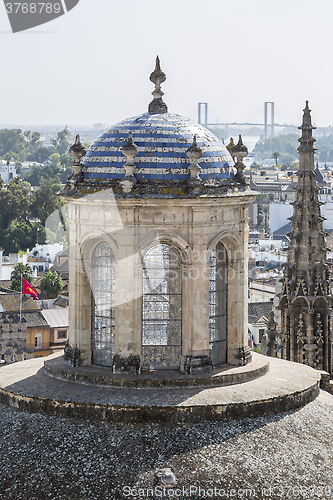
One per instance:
[(47, 251), (7, 172), (278, 215)]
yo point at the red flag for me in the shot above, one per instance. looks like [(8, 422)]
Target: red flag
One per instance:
[(27, 288)]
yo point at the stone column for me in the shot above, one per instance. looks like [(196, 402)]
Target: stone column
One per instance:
[(238, 351), (127, 307), (80, 310), (196, 316)]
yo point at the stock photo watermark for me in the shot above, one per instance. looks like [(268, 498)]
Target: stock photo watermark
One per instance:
[(29, 14), (194, 491)]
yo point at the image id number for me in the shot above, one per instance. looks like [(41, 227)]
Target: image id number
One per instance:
[(33, 8)]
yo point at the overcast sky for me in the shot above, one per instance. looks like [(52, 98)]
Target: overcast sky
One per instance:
[(93, 64)]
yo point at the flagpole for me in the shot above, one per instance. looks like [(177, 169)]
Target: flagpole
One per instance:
[(21, 296)]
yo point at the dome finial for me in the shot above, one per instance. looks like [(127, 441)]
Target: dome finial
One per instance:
[(77, 150), (194, 152), (239, 152), (129, 150), (157, 76)]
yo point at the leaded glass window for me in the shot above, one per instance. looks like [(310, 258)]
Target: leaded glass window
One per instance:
[(218, 304), (103, 319), (162, 307)]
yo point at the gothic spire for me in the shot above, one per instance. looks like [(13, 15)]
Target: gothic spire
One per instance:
[(306, 141), (306, 273)]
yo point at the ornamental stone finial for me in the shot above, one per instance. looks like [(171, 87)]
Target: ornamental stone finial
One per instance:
[(230, 148), (157, 77), (239, 152), (194, 152), (77, 150), (129, 150)]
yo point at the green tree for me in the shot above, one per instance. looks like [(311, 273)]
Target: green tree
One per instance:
[(19, 271), (39, 153), (44, 202), (51, 284), (18, 168), (14, 202), (66, 160), (61, 143), (255, 166), (18, 236), (276, 156), (12, 141), (21, 194), (55, 159)]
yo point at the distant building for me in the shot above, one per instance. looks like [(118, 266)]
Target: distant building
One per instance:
[(258, 315), (279, 214), (57, 319), (46, 251), (7, 172), (22, 322)]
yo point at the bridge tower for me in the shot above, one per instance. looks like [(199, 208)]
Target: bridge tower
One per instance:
[(272, 118), (203, 105)]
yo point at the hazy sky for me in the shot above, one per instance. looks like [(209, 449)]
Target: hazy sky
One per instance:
[(93, 64)]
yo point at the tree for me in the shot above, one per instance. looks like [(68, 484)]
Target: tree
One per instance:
[(66, 160), (55, 159), (51, 284), (44, 202), (61, 143), (18, 236), (14, 202), (13, 142), (276, 156), (255, 166), (20, 271), (18, 168)]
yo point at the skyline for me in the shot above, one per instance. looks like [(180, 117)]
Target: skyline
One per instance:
[(85, 68)]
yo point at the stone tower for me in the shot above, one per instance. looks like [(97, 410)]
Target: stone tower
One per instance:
[(158, 246), (306, 301)]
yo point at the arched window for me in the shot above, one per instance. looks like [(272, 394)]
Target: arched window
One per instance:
[(162, 307), (103, 319), (218, 305)]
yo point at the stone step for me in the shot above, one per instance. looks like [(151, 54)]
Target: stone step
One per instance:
[(285, 386), (96, 375)]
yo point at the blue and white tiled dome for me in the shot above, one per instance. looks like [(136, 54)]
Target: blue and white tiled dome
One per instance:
[(162, 140)]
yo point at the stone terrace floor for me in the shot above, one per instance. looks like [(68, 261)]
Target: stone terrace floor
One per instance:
[(283, 456)]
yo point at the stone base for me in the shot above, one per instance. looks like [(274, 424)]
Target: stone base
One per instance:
[(196, 364), (72, 355), (128, 364), (245, 355), (27, 387)]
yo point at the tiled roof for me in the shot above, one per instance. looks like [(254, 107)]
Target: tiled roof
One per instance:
[(11, 303), (258, 309), (282, 231), (5, 284), (61, 301), (34, 319), (63, 268), (162, 140)]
